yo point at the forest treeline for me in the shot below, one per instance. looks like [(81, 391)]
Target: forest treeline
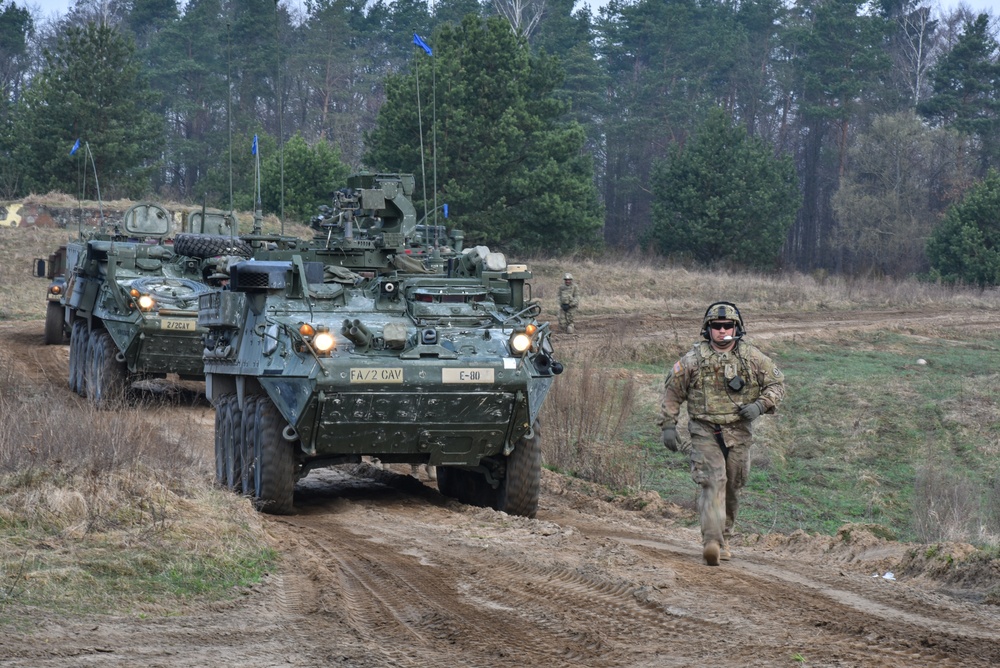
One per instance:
[(833, 135)]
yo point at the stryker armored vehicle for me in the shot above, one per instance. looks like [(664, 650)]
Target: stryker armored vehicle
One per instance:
[(367, 342), (130, 300)]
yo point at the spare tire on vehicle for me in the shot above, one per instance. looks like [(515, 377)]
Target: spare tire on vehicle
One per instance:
[(211, 245)]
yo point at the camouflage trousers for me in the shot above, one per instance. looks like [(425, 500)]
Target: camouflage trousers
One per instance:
[(721, 473), (566, 318)]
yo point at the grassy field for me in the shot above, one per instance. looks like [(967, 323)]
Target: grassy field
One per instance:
[(867, 435)]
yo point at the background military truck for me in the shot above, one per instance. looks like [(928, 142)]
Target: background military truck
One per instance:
[(54, 269), (130, 299), (360, 343)]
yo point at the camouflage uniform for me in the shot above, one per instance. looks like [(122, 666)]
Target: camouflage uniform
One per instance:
[(569, 300), (720, 438)]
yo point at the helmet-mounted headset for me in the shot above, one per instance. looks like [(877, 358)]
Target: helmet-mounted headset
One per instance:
[(722, 311)]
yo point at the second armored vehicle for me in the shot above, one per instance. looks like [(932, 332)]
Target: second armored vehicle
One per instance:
[(365, 343), (130, 301)]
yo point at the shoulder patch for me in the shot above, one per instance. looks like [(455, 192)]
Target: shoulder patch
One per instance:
[(677, 367)]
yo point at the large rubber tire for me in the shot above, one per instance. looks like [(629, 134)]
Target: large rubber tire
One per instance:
[(446, 481), (234, 454), (519, 490), (210, 245), (274, 465), (468, 487), (53, 324), (107, 380), (220, 440), (78, 357), (247, 445)]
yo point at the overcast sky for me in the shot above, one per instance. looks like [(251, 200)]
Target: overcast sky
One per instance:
[(49, 7)]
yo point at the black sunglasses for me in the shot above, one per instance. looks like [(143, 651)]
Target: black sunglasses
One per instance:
[(722, 325)]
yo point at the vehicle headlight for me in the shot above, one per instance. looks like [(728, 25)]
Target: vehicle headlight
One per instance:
[(324, 342), (520, 342), (146, 302)]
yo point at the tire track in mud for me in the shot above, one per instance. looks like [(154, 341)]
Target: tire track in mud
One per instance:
[(393, 600)]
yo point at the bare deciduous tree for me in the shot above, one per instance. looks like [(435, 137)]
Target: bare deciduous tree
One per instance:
[(523, 15)]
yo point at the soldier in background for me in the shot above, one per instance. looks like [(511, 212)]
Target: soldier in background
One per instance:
[(569, 300), (727, 384)]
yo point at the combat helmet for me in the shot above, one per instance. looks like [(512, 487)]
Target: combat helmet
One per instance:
[(568, 277), (722, 311)]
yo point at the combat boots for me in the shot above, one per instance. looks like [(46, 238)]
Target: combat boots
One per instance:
[(711, 553), (725, 554), (570, 330)]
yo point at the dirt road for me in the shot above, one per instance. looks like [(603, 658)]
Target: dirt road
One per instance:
[(378, 569)]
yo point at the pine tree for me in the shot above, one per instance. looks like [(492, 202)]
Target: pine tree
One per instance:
[(965, 247), (90, 88), (723, 198), (510, 171)]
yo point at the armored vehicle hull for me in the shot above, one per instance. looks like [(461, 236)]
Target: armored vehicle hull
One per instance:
[(369, 346)]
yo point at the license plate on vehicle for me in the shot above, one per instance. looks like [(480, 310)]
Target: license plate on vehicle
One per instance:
[(177, 325), (466, 375), (377, 375)]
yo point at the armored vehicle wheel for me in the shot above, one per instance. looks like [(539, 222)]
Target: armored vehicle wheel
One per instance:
[(246, 446), (234, 454), (107, 380), (518, 491), (210, 245), (465, 486), (446, 481), (274, 481), (53, 323), (78, 357), (220, 440)]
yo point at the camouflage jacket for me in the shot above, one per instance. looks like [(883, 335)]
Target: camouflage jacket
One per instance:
[(568, 295), (716, 384)]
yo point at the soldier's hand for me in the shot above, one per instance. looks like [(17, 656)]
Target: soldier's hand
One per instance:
[(565, 307), (669, 437), (752, 411)]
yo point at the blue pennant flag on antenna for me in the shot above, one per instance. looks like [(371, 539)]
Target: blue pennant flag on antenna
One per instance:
[(445, 210), (422, 44), (253, 149), (76, 147)]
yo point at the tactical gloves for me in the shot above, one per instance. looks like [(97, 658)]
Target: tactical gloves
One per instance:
[(565, 307), (669, 436), (752, 411)]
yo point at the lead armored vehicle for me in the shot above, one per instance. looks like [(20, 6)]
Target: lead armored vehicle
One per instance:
[(130, 300), (368, 341)]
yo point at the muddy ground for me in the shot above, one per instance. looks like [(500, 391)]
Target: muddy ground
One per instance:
[(378, 569)]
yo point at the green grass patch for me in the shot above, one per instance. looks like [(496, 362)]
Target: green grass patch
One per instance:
[(866, 435)]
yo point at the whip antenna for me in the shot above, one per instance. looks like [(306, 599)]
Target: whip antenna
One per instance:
[(420, 123), (229, 114), (281, 135)]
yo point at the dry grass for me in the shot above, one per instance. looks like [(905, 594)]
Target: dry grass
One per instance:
[(585, 418), (946, 507), (636, 284), (23, 295), (100, 511)]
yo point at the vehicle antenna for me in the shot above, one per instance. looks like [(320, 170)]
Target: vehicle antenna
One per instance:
[(420, 122), (281, 136)]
